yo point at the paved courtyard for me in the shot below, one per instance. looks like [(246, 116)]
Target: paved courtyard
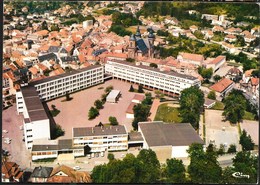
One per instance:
[(12, 122), (222, 132), (252, 128), (74, 113)]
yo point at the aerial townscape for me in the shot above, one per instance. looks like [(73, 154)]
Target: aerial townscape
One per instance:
[(130, 92)]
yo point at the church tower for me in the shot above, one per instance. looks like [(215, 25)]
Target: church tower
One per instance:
[(151, 39), (132, 47)]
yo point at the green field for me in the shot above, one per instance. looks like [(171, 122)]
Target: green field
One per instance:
[(167, 114), (249, 116), (218, 106)]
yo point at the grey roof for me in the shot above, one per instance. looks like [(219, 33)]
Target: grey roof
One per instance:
[(33, 104), (44, 147), (165, 134), (135, 136), (48, 56), (209, 102), (99, 131), (56, 49), (98, 52), (65, 144), (132, 38), (172, 73), (141, 45), (41, 172), (64, 74), (69, 59)]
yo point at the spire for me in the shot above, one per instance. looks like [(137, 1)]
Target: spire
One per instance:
[(151, 35), (132, 38), (138, 33)]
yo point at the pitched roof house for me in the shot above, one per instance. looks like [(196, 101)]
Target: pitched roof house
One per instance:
[(11, 172)]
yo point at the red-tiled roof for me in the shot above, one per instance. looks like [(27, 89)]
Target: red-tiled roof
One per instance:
[(221, 85), (218, 59), (190, 56), (129, 109), (254, 81)]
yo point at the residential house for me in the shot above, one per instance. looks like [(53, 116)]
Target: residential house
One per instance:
[(11, 172), (209, 103), (234, 74), (247, 75), (254, 84), (193, 28), (40, 174), (65, 174), (230, 38), (209, 17), (228, 47), (222, 87), (249, 38), (233, 31), (218, 29)]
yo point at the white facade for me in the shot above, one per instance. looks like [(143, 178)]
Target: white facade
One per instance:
[(65, 83), (179, 151), (130, 116), (107, 141), (167, 81)]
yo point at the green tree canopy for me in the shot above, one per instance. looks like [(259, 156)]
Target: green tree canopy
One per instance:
[(92, 113), (175, 171), (212, 95), (98, 104), (191, 104), (246, 141), (235, 105), (113, 120), (141, 113), (131, 89)]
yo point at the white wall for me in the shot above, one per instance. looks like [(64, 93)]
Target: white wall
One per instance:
[(130, 116), (179, 151)]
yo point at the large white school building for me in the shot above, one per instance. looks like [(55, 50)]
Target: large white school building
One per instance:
[(171, 82), (36, 122)]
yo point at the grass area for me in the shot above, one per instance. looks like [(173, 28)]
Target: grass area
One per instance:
[(45, 160), (133, 29), (168, 114), (249, 116), (218, 106)]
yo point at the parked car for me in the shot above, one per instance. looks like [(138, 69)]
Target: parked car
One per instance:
[(76, 168), (97, 155), (102, 154), (89, 156), (92, 155)]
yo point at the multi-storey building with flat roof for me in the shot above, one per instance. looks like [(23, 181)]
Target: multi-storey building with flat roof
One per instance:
[(171, 82), (112, 138), (76, 80), (36, 122)]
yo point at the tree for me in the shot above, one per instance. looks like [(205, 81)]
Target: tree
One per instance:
[(109, 89), (191, 104), (44, 25), (92, 113), (153, 65), (232, 148), (246, 141), (212, 95), (103, 98), (113, 120), (141, 113), (150, 166), (235, 104), (55, 27), (204, 167), (58, 131), (130, 60), (140, 89), (247, 164), (110, 156), (216, 78), (68, 98), (148, 99), (98, 104), (131, 89), (175, 171), (205, 73), (198, 34)]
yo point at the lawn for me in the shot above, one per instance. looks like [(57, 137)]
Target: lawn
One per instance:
[(249, 116), (218, 106), (167, 114)]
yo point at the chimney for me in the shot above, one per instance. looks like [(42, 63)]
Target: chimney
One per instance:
[(116, 129)]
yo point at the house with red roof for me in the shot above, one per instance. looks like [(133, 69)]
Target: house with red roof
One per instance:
[(191, 58), (222, 87), (11, 172), (216, 63)]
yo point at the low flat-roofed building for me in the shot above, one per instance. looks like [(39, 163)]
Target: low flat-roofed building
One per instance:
[(168, 140), (138, 98), (130, 111), (53, 149), (209, 103), (112, 138), (113, 96)]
